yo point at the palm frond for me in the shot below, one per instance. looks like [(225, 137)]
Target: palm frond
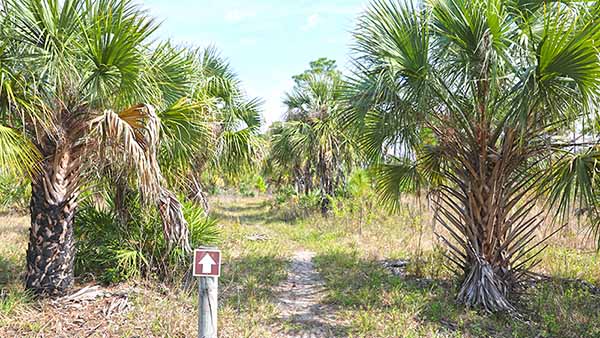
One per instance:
[(573, 177), (395, 179), (17, 154), (134, 134), (114, 34), (186, 134)]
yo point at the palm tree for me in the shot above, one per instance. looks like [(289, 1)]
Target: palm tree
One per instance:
[(473, 100), (232, 144), (90, 90), (310, 143)]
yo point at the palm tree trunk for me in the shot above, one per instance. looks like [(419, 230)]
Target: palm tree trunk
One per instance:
[(488, 229), (325, 183), (121, 194), (487, 281), (307, 179), (51, 251), (197, 193)]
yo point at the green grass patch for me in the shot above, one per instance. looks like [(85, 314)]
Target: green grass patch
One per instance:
[(379, 304)]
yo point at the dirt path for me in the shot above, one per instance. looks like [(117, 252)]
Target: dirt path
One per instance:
[(300, 301)]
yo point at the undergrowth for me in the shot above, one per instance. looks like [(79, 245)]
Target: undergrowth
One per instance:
[(14, 193), (114, 250)]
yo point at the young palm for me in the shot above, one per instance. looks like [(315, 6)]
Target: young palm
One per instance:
[(89, 92), (472, 99)]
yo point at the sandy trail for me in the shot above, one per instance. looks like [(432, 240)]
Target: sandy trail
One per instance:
[(300, 301)]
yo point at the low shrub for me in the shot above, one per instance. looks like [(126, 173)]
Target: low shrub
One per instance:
[(283, 195), (14, 193), (246, 189), (251, 184), (260, 184), (114, 250), (310, 202), (292, 205)]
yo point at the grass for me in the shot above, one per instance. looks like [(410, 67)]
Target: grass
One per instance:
[(371, 298), (367, 300), (251, 270)]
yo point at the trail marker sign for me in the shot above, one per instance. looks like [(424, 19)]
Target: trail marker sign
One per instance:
[(207, 263), (207, 266)]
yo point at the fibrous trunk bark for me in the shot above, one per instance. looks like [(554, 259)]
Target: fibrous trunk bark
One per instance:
[(325, 181), (51, 251), (487, 214), (487, 281)]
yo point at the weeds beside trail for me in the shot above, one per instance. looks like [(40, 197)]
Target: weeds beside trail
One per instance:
[(356, 295)]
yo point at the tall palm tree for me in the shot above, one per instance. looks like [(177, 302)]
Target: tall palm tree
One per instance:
[(473, 100), (90, 90), (310, 143)]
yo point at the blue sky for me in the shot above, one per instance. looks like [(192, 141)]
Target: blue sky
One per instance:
[(266, 41)]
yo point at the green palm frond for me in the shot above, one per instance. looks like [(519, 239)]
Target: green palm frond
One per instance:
[(187, 133), (568, 58), (172, 70), (465, 27), (217, 77), (114, 33), (385, 97), (246, 112), (396, 178), (240, 150), (574, 177), (319, 96), (17, 154)]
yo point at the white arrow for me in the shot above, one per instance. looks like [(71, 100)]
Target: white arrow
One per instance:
[(207, 262)]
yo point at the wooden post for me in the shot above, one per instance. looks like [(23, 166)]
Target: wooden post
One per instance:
[(207, 307), (207, 266)]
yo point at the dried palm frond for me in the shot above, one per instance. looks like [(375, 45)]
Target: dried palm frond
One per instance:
[(133, 136), (175, 227)]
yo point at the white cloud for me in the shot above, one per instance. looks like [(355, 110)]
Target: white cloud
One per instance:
[(237, 15), (311, 22)]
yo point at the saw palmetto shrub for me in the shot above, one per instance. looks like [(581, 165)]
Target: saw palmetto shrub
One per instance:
[(112, 247)]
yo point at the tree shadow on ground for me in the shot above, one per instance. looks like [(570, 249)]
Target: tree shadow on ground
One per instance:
[(257, 212), (262, 217), (368, 294)]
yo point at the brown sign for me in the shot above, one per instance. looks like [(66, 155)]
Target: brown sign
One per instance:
[(207, 262)]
